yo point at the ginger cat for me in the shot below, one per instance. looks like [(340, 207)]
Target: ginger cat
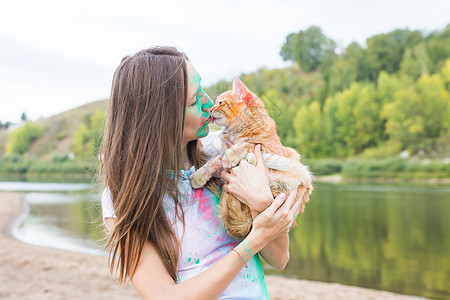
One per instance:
[(247, 123)]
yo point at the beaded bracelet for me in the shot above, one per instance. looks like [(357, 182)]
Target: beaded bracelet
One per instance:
[(243, 259)]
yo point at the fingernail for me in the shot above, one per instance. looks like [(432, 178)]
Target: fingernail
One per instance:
[(282, 195)]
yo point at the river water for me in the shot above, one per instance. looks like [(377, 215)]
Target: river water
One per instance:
[(387, 237)]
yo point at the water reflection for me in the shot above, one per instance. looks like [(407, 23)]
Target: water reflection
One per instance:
[(384, 237), (70, 221)]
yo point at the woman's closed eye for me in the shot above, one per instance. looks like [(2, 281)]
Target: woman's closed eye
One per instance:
[(195, 97), (199, 95)]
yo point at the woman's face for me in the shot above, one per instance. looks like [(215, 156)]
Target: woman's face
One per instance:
[(198, 102)]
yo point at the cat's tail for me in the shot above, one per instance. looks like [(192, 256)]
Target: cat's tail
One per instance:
[(235, 216)]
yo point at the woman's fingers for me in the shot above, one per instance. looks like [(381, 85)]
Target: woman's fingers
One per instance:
[(290, 201), (277, 202), (225, 176), (293, 212), (259, 158)]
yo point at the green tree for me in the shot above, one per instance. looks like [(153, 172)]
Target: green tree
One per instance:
[(438, 47), (384, 52), (417, 116), (343, 74), (389, 84), (348, 68), (310, 131), (352, 119), (409, 65), (288, 49), (415, 62), (436, 100), (283, 117), (445, 71), (20, 139), (405, 123), (23, 117), (80, 139), (308, 48), (87, 138)]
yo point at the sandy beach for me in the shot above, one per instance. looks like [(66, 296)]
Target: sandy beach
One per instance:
[(34, 272)]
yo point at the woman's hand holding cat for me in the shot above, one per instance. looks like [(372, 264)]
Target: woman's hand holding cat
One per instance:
[(276, 220), (250, 184)]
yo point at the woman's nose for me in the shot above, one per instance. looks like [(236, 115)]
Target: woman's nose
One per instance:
[(207, 107)]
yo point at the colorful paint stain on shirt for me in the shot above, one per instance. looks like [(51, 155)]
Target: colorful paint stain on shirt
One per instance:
[(205, 241), (206, 205)]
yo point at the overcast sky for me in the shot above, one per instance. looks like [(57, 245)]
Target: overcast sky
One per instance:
[(56, 55)]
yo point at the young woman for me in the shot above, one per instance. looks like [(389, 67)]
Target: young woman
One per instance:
[(165, 236)]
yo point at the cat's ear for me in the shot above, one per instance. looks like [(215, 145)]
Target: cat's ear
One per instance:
[(241, 90)]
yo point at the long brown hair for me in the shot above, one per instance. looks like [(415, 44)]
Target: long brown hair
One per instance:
[(141, 145)]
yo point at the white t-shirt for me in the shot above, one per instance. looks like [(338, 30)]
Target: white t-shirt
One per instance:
[(205, 241)]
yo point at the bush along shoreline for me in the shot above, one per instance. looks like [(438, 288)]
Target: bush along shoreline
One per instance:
[(388, 169), (18, 168)]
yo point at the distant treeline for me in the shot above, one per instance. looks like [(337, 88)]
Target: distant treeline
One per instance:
[(372, 102), (352, 111)]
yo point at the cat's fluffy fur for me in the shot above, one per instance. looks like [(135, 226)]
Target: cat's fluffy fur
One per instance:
[(247, 123)]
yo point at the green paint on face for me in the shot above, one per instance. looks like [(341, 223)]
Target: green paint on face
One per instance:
[(202, 103)]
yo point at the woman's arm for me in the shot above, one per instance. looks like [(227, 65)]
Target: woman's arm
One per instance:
[(252, 184), (152, 281), (276, 253)]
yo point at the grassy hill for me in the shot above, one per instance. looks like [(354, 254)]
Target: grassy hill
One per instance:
[(50, 156), (58, 131)]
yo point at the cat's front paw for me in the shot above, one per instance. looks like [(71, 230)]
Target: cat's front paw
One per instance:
[(198, 179), (230, 159)]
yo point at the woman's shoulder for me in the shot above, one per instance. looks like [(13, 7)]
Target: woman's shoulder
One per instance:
[(212, 143), (107, 206)]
